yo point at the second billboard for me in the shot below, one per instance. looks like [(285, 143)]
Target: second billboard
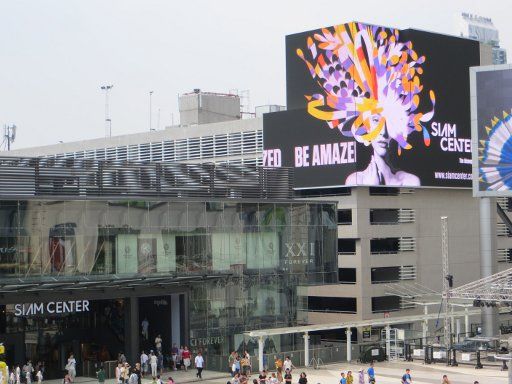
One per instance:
[(370, 105)]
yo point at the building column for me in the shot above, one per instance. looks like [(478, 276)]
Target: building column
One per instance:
[(487, 252), (306, 349), (260, 353), (466, 321), (388, 342), (425, 325), (349, 345), (132, 325), (457, 330)]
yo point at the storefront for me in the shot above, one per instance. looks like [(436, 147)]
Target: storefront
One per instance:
[(83, 276)]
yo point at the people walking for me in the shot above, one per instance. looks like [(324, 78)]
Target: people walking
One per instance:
[(343, 379), (144, 359), (287, 376), (199, 363), (186, 358), (101, 375), (406, 378), (39, 376), (287, 364), (303, 379), (350, 378), (158, 343), (71, 367), (153, 362), (371, 374), (361, 376), (445, 380)]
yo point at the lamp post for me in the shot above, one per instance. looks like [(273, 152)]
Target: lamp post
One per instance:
[(108, 120), (150, 111)]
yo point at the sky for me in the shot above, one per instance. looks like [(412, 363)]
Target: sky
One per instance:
[(56, 54)]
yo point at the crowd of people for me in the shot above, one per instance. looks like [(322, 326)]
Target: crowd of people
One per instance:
[(26, 374)]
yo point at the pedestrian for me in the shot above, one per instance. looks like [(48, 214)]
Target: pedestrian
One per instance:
[(350, 378), (158, 343), (174, 356), (158, 380), (273, 379), (361, 376), (303, 379), (133, 379), (12, 376), (118, 373), (18, 374), (126, 373), (406, 378), (67, 379), (231, 360), (138, 372), (71, 367), (247, 360), (236, 366), (199, 363), (145, 328), (153, 362), (287, 364), (170, 380), (236, 379), (180, 356), (371, 373), (445, 380), (144, 362), (186, 358), (160, 362), (101, 375), (287, 376), (343, 380), (39, 376), (263, 377)]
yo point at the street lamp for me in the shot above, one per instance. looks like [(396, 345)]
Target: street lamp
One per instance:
[(108, 120), (150, 111)]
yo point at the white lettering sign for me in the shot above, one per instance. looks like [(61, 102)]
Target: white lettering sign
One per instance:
[(52, 307)]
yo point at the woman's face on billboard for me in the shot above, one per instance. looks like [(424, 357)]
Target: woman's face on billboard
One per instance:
[(380, 144)]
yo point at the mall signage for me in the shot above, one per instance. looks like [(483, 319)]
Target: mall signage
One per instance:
[(371, 105), (51, 308), (491, 97)]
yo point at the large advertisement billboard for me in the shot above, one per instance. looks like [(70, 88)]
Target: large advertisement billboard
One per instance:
[(491, 98), (370, 105)]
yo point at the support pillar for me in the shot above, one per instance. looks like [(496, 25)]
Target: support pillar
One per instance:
[(510, 375), (425, 325), (457, 330), (306, 349), (132, 342), (349, 345), (466, 322), (388, 342), (487, 261), (260, 353)]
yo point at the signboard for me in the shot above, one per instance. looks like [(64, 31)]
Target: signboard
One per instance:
[(491, 98), (370, 105), (51, 308), (367, 332)]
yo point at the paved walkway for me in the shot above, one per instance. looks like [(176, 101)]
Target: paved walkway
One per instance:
[(387, 373)]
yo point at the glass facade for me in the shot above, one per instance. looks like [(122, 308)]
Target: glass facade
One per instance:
[(258, 253)]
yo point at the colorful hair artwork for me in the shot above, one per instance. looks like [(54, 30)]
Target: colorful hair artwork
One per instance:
[(495, 154), (365, 71)]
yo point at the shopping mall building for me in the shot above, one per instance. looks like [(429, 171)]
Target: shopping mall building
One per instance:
[(203, 253), (388, 234)]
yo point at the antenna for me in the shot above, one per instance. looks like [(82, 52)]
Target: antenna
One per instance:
[(108, 120), (9, 134)]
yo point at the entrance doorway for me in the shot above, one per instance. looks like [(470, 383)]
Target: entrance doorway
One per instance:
[(164, 316)]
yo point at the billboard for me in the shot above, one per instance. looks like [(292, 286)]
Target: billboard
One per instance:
[(370, 105), (491, 105)]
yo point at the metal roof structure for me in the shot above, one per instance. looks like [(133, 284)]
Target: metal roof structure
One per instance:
[(354, 324), (97, 283), (494, 288), (89, 179)]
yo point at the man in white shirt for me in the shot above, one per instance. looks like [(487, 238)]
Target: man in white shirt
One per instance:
[(199, 362), (287, 364), (158, 343), (144, 363), (71, 367), (153, 361)]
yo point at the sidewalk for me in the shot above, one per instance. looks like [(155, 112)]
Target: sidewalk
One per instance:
[(387, 373)]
